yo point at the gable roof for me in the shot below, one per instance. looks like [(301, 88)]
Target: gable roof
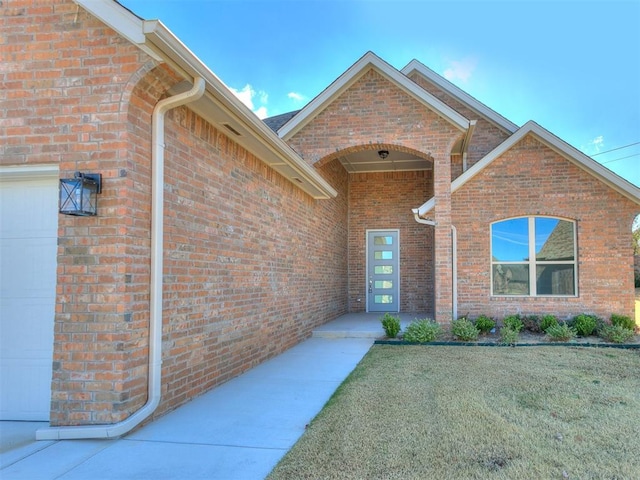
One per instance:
[(357, 70), (570, 153), (460, 95), (275, 122)]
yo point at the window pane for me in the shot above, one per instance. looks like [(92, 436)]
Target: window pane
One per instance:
[(554, 240), (383, 270), (383, 255), (555, 279), (382, 284), (383, 298), (510, 240), (382, 240), (511, 279)]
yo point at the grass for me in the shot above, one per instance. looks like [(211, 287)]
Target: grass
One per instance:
[(417, 412)]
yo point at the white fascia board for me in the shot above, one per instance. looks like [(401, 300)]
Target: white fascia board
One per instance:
[(123, 21), (459, 94), (353, 73), (216, 91), (570, 153), (162, 45)]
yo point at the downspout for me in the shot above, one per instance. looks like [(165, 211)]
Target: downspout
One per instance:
[(454, 258), (155, 314)]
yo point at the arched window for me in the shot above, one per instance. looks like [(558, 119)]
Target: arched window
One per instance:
[(534, 256)]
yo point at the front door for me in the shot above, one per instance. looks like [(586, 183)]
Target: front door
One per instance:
[(383, 275)]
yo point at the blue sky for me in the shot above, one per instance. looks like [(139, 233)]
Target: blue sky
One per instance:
[(572, 66)]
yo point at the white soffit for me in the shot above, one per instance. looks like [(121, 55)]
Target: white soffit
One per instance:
[(570, 153), (355, 72), (218, 105), (460, 95)]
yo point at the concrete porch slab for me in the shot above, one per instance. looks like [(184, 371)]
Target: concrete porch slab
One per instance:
[(363, 325)]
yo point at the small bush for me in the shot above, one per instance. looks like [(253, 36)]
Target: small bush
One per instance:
[(508, 336), (560, 332), (391, 325), (422, 331), (484, 324), (584, 324), (548, 321), (616, 333), (464, 330), (513, 322), (532, 323), (623, 321)]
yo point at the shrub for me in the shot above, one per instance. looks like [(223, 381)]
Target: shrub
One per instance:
[(484, 324), (548, 321), (561, 332), (616, 333), (391, 325), (464, 330), (422, 331), (532, 323), (584, 324), (623, 321), (513, 322), (508, 336)]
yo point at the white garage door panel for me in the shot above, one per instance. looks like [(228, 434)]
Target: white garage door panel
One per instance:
[(28, 248)]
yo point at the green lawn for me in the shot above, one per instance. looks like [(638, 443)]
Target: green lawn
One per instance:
[(422, 412)]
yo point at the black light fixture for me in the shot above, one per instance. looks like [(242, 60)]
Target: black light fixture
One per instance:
[(79, 195), (383, 154)]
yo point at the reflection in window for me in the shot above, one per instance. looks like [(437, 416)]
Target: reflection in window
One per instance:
[(383, 269), (383, 255), (383, 298), (382, 284), (533, 256), (386, 240)]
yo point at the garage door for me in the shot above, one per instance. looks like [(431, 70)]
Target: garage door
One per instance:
[(28, 249)]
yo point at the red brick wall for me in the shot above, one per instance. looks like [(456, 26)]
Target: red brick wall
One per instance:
[(531, 179), (373, 113), (251, 263), (486, 136), (385, 200)]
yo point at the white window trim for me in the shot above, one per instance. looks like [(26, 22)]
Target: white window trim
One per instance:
[(532, 263)]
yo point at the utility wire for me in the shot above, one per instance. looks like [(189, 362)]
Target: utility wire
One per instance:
[(621, 158), (614, 149)]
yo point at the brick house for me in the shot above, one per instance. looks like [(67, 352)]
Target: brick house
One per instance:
[(222, 240)]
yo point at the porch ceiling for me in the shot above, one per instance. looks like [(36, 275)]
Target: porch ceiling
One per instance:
[(371, 161)]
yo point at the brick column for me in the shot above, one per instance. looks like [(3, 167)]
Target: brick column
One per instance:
[(443, 252)]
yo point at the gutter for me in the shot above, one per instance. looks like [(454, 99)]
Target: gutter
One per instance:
[(155, 320), (454, 258)]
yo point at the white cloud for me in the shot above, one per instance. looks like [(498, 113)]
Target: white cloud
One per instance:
[(460, 70), (247, 95), (298, 97), (597, 144)]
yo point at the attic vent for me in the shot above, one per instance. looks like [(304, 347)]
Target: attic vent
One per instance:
[(297, 179), (231, 129)]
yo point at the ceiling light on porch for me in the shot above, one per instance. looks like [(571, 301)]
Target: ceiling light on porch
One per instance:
[(383, 154)]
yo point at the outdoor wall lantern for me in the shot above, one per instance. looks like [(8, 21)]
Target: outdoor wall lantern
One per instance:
[(79, 195)]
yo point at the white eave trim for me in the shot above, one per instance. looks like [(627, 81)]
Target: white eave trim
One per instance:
[(119, 19), (367, 62), (570, 153), (157, 40), (460, 95)]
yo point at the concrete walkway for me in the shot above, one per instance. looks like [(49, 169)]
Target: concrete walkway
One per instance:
[(239, 430)]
